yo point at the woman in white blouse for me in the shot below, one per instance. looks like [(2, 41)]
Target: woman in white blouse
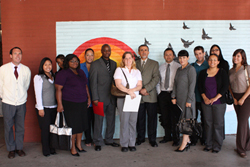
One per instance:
[(128, 120), (45, 103), (239, 86)]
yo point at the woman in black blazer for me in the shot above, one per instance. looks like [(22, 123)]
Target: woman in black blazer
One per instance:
[(213, 84)]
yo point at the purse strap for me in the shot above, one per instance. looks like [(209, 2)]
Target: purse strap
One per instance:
[(125, 76), (57, 121), (246, 74)]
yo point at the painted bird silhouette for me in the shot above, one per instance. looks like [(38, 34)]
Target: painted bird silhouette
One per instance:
[(170, 46), (186, 44), (204, 35), (185, 26), (146, 42), (231, 27)]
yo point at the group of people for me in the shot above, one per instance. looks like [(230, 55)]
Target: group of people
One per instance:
[(176, 89)]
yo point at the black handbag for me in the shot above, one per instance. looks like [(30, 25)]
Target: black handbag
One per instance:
[(189, 126), (117, 92), (60, 137), (229, 98)]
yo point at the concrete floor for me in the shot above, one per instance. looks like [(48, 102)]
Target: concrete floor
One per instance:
[(145, 156)]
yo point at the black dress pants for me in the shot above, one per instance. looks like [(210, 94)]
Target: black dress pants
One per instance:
[(170, 115), (90, 125), (44, 123), (151, 110)]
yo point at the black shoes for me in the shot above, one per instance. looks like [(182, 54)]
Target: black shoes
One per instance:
[(75, 155), (153, 144), (165, 140), (11, 154), (98, 148), (124, 149), (81, 151), (215, 151), (186, 148), (132, 148), (206, 149), (113, 144), (176, 143), (139, 142)]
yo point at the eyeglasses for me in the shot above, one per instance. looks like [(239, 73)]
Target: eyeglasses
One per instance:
[(72, 61), (215, 50)]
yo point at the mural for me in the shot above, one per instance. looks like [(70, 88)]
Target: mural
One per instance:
[(76, 37)]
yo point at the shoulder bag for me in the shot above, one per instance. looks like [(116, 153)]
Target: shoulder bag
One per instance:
[(117, 92)]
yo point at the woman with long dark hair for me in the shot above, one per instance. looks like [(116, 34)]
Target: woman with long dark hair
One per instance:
[(238, 76), (45, 102), (73, 98), (215, 49)]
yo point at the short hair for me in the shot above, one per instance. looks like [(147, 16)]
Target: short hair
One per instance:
[(199, 48), (243, 55), (67, 59), (41, 71), (11, 50), (88, 50), (142, 46), (122, 65), (170, 50), (183, 53), (105, 45), (60, 56)]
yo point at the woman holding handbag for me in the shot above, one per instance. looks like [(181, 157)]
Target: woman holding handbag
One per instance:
[(127, 74), (45, 103), (73, 98), (213, 84), (183, 93), (239, 86)]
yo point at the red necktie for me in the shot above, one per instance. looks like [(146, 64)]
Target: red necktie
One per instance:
[(15, 72)]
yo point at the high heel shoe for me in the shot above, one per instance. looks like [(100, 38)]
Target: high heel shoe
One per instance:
[(186, 148), (80, 150)]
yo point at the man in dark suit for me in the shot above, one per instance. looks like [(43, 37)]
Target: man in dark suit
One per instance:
[(150, 77), (100, 77)]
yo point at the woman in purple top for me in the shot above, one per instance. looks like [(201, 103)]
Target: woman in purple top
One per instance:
[(213, 84), (73, 98)]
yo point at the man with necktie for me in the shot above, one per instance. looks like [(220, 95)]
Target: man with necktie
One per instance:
[(169, 112), (150, 77), (101, 76), (14, 83)]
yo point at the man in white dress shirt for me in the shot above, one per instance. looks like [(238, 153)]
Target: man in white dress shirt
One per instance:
[(169, 112), (14, 83)]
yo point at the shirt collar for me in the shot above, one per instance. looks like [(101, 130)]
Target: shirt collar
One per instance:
[(13, 65)]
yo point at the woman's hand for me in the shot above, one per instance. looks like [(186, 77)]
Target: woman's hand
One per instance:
[(241, 101), (89, 102), (188, 104), (213, 100), (207, 101), (60, 108), (131, 93), (41, 113), (235, 102), (174, 101)]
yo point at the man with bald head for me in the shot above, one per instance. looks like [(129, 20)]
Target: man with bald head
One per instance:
[(101, 77)]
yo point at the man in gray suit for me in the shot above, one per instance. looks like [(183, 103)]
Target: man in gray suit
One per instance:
[(150, 77), (101, 77)]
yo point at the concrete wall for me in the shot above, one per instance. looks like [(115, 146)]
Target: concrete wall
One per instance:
[(31, 25)]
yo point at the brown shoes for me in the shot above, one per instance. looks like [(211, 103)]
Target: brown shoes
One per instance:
[(21, 153), (11, 155), (242, 155)]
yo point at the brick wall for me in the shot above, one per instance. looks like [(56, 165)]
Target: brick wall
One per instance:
[(31, 25)]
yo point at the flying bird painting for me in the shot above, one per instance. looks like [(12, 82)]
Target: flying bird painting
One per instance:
[(170, 46), (204, 35), (231, 27), (186, 44), (146, 42), (185, 26)]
